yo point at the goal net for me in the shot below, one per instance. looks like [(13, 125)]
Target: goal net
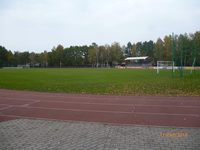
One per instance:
[(167, 65)]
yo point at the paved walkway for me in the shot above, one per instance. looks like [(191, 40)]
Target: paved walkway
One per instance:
[(34, 134)]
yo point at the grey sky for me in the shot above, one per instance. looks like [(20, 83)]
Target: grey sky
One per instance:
[(37, 25)]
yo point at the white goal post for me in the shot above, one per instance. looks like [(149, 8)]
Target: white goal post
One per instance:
[(169, 65)]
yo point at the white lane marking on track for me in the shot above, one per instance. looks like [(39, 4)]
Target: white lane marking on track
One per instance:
[(7, 107), (114, 112), (58, 101)]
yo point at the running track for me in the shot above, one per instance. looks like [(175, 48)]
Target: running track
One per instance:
[(141, 110)]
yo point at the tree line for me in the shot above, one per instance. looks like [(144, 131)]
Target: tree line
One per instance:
[(186, 52)]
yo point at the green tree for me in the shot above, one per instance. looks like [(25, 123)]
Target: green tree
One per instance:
[(147, 49), (56, 57), (184, 50), (167, 48), (139, 49), (92, 56), (102, 56), (196, 50), (134, 50), (3, 56), (158, 53), (116, 54), (128, 49), (60, 54), (32, 58)]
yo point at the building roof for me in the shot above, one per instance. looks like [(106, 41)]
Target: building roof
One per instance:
[(137, 58)]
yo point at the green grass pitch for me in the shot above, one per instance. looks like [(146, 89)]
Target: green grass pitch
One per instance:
[(101, 81)]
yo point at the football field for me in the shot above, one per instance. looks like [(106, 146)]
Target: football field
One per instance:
[(143, 82)]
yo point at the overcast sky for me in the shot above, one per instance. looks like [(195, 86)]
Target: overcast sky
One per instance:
[(37, 25)]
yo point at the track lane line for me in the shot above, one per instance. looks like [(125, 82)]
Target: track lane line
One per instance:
[(112, 112), (105, 97), (58, 101), (127, 108), (8, 107), (111, 104)]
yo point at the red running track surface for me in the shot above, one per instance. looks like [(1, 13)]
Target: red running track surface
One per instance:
[(141, 110)]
